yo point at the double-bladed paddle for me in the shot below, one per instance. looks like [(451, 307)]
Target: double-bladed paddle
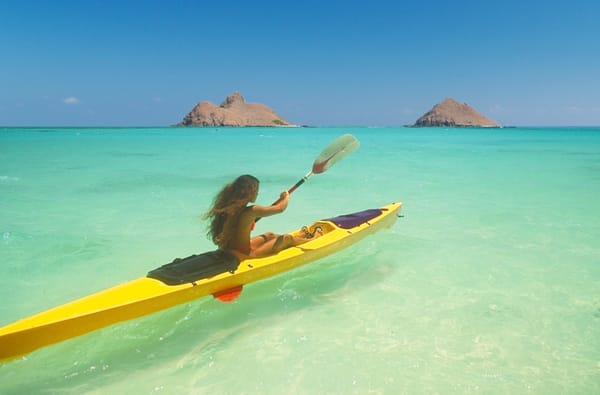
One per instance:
[(333, 153)]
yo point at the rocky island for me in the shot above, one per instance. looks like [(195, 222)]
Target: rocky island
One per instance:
[(452, 113), (234, 111)]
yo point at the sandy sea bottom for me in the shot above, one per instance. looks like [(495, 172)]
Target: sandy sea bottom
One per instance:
[(487, 284)]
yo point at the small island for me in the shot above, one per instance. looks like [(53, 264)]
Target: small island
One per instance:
[(234, 111), (451, 113)]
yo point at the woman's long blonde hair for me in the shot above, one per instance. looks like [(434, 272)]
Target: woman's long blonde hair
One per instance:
[(229, 202)]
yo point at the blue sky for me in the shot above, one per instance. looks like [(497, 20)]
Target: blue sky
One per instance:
[(328, 63)]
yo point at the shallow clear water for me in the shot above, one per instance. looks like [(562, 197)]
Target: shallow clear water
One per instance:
[(487, 284)]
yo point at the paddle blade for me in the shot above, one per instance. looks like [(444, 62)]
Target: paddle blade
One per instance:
[(229, 295), (334, 152)]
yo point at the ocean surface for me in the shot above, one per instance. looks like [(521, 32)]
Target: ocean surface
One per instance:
[(488, 284)]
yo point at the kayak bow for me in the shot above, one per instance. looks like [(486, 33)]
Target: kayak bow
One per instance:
[(214, 273)]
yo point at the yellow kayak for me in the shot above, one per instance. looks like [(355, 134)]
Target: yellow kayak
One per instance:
[(213, 273)]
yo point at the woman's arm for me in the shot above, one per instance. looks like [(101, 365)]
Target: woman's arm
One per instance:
[(276, 208)]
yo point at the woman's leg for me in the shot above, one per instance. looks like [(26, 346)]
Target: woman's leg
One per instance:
[(259, 240), (279, 243)]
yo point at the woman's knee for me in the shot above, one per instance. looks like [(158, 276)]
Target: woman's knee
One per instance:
[(269, 235), (282, 242)]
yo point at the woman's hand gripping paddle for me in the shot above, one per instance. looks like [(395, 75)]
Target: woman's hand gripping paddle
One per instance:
[(332, 154)]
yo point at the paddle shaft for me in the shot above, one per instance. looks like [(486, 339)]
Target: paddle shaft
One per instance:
[(292, 189), (335, 151), (296, 185)]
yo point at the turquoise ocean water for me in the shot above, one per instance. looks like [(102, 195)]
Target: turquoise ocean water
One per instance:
[(489, 283)]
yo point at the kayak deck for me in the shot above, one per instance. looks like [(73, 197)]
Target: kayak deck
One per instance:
[(147, 295)]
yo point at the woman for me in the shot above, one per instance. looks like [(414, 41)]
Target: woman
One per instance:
[(232, 220)]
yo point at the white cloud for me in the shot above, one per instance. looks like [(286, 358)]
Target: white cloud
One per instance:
[(71, 100)]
